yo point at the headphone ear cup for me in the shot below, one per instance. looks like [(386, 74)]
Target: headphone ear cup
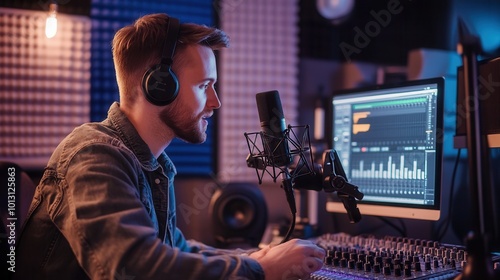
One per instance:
[(160, 85)]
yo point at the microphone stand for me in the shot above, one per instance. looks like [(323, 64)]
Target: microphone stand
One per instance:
[(287, 185), (479, 264), (262, 156), (333, 177)]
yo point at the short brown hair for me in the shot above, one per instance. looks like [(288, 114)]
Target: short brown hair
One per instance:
[(137, 47)]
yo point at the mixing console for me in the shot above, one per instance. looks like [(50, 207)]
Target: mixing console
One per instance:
[(366, 257)]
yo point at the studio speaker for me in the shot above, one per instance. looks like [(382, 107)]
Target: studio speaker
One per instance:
[(238, 212)]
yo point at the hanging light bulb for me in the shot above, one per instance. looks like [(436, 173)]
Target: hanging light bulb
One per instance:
[(51, 22), (336, 11)]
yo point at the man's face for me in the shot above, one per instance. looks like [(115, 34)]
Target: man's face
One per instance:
[(187, 114)]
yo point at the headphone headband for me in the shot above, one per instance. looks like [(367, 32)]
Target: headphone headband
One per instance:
[(170, 41)]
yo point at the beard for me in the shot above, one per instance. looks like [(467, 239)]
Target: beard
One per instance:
[(185, 126)]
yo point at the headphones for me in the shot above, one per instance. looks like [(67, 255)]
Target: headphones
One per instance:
[(159, 83)]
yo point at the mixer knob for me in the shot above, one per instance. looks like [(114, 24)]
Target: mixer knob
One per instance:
[(446, 261), (419, 249), (336, 261), (439, 252), (384, 253), (397, 270), (453, 264), (387, 270), (343, 262), (417, 266), (367, 267), (388, 262), (406, 247), (426, 251), (435, 263), (376, 268), (345, 255), (412, 248), (353, 256), (398, 258), (461, 255), (416, 259), (329, 260), (432, 251), (369, 259), (427, 265), (453, 255), (407, 271), (351, 264)]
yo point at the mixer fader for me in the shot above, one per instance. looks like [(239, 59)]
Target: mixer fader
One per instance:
[(367, 257)]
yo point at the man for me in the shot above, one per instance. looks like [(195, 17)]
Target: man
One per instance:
[(105, 207)]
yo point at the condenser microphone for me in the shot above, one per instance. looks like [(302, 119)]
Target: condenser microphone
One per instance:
[(274, 129)]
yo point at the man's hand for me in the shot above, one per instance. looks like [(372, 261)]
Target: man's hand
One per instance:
[(294, 259)]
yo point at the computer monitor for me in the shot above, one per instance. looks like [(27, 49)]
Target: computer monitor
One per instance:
[(389, 139)]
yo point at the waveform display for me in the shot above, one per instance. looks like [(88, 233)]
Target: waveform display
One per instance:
[(403, 120), (393, 176), (394, 167)]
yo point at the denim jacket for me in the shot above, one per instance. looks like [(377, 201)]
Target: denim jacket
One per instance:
[(105, 209)]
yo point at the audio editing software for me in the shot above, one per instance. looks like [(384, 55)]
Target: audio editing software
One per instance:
[(388, 146)]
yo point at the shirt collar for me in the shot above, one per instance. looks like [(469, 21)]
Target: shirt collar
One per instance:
[(131, 138)]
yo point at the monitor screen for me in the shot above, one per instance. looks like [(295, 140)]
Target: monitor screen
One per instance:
[(389, 140)]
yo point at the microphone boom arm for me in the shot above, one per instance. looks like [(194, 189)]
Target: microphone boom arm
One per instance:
[(334, 179)]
